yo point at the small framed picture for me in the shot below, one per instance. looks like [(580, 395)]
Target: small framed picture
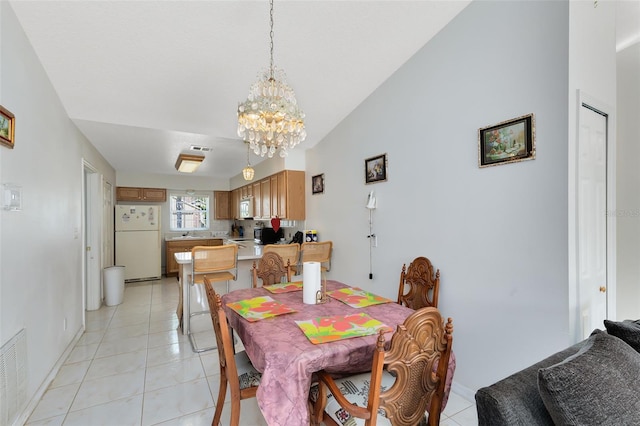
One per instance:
[(507, 142), (317, 184), (7, 127), (375, 169)]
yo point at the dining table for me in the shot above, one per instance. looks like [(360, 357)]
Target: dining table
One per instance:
[(286, 356)]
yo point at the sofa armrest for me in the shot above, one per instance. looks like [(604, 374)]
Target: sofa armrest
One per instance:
[(516, 400)]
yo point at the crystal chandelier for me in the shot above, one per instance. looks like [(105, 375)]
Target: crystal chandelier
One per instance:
[(248, 171), (270, 119)]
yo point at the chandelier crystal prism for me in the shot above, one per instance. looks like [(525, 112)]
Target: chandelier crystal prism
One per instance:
[(270, 119)]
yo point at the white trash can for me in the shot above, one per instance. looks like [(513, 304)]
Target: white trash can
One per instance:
[(113, 285)]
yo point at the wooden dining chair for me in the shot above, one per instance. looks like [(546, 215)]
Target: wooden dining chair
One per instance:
[(236, 369), (290, 254), (317, 252), (270, 269), (217, 263), (404, 381), (419, 286)]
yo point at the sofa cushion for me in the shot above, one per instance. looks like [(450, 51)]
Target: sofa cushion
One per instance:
[(515, 400), (596, 386), (627, 330)]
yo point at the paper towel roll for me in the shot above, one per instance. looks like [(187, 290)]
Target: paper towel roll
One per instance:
[(311, 282)]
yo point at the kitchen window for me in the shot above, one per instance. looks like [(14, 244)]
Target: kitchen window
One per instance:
[(188, 212)]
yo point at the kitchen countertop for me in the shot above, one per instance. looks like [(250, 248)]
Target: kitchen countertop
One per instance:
[(247, 250)]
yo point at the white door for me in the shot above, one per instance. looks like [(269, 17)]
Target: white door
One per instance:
[(592, 219)]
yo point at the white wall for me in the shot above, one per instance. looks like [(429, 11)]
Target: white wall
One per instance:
[(181, 181), (498, 235), (41, 246), (628, 209)]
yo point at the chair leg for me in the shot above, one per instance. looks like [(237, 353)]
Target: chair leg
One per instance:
[(235, 412), (192, 340), (187, 324), (222, 392)]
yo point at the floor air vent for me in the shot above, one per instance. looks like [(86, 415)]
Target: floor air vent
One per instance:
[(13, 377)]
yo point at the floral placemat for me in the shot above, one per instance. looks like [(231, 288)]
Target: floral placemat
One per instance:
[(260, 307), (284, 287), (329, 329), (357, 298)]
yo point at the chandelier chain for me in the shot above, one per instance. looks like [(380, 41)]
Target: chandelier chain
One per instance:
[(271, 38)]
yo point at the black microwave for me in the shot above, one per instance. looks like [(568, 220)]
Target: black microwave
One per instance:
[(269, 236)]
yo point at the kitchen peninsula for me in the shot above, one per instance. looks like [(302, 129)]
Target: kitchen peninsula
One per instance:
[(248, 251)]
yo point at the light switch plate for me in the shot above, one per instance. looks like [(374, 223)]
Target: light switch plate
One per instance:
[(12, 197)]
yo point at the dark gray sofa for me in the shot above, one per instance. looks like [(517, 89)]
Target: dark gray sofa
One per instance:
[(594, 382)]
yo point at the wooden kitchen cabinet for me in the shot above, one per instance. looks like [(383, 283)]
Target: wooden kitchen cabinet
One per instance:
[(273, 187), (265, 197), (291, 195), (128, 193), (257, 200), (174, 246), (236, 195), (281, 194), (222, 200)]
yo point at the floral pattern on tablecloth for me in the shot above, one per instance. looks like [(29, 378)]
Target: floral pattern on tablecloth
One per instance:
[(337, 327), (258, 308), (284, 287), (357, 298)]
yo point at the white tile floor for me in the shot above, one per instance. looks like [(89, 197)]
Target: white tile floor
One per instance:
[(132, 367)]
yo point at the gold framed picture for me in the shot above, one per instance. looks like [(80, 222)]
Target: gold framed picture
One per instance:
[(507, 142), (7, 127)]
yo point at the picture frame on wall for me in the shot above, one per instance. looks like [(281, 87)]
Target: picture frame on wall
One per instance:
[(317, 184), (510, 141), (7, 127), (375, 169)]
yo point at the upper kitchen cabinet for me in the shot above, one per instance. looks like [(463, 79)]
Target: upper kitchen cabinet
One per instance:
[(222, 200), (281, 194), (155, 195), (236, 196), (257, 197), (265, 197), (290, 184)]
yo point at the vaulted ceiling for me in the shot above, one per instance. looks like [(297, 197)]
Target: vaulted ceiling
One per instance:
[(145, 80)]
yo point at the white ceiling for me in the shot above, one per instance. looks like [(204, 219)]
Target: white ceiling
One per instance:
[(145, 80)]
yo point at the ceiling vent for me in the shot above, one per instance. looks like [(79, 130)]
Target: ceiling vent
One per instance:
[(200, 148)]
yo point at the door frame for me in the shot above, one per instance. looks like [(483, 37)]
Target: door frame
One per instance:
[(91, 233), (584, 99)]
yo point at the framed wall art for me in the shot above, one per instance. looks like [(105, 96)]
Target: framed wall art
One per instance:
[(375, 169), (317, 184), (7, 127), (510, 141)]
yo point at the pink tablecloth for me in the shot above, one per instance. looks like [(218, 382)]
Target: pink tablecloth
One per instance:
[(287, 360)]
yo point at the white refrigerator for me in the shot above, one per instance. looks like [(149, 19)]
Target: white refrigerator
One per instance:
[(138, 242)]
